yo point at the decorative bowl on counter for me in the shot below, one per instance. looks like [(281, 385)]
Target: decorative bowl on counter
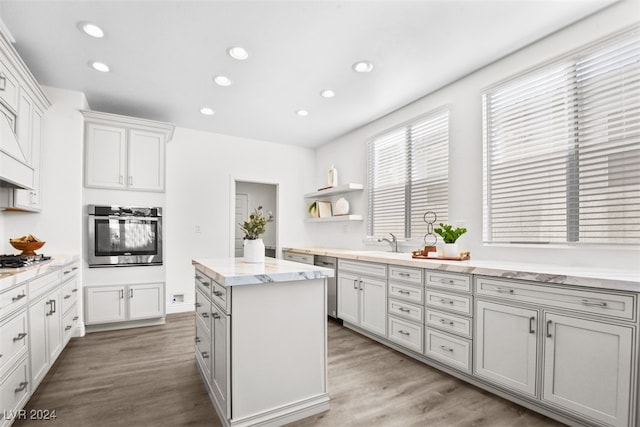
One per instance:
[(27, 244)]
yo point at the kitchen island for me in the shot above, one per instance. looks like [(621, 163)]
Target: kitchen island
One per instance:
[(261, 339)]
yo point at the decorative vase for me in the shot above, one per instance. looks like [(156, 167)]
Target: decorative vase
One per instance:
[(254, 251), (341, 207), (450, 250)]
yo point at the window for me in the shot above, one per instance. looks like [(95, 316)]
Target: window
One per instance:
[(408, 175), (562, 149)]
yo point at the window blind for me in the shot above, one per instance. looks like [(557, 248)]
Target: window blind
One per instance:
[(408, 175), (562, 149)]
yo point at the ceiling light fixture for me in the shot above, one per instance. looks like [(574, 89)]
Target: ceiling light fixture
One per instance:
[(302, 113), (207, 111), (327, 93), (238, 53), (362, 67), (91, 29), (222, 80), (100, 66)]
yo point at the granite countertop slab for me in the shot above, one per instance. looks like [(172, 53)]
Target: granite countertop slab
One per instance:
[(235, 271), (13, 276), (600, 278)]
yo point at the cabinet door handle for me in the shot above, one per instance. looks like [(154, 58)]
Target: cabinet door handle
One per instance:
[(594, 303), (504, 291), (205, 315), (532, 320), (130, 179), (198, 305), (3, 82), (121, 293), (205, 355), (48, 303), (442, 347), (20, 336), (403, 332), (549, 329), (197, 339), (120, 178), (130, 293), (68, 327), (361, 282), (215, 315), (22, 387), (354, 284), (53, 305), (75, 318)]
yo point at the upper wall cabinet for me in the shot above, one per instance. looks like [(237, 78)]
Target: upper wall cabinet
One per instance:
[(125, 153), (23, 102)]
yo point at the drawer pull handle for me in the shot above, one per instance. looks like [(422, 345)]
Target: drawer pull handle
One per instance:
[(532, 320), (446, 322), (403, 292), (22, 387), (75, 318), (67, 296), (18, 297), (218, 293), (404, 274), (403, 332), (594, 303), (215, 315), (197, 339), (20, 336), (68, 327), (446, 301), (442, 347), (205, 355), (74, 290), (198, 305), (449, 281), (3, 82), (504, 291), (549, 329), (66, 272), (405, 310), (205, 315)]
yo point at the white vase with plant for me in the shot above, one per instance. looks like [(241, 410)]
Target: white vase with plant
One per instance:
[(450, 235), (254, 227)]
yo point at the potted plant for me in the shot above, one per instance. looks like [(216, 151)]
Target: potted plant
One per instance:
[(254, 227), (450, 235)]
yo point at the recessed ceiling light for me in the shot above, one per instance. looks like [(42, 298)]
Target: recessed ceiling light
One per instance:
[(238, 53), (207, 111), (91, 29), (222, 80), (100, 66), (302, 113), (327, 93), (362, 67)]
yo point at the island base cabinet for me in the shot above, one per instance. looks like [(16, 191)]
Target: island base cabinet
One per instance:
[(588, 368), (220, 362), (14, 392)]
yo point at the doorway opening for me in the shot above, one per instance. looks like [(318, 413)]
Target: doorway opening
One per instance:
[(248, 196)]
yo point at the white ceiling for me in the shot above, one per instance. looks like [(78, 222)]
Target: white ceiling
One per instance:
[(163, 55)]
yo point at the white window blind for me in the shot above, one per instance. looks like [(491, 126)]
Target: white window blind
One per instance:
[(408, 175), (562, 149)]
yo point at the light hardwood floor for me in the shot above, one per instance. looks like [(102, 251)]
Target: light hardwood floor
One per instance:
[(147, 377)]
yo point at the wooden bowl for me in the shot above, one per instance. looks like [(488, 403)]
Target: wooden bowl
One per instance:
[(27, 248)]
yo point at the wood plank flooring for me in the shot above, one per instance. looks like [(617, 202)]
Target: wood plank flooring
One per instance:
[(147, 377)]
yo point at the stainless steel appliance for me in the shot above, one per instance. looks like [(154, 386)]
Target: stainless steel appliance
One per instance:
[(332, 294), (121, 236), (19, 261)]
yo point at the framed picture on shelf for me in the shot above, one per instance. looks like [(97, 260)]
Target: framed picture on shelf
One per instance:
[(324, 209)]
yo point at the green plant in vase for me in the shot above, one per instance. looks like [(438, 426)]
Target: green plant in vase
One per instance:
[(450, 235)]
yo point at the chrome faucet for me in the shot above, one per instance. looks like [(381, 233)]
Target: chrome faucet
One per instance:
[(393, 242)]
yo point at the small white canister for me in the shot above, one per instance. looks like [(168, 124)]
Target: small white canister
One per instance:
[(332, 177)]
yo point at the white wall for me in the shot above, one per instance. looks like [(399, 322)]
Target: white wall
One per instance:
[(202, 169), (465, 166)]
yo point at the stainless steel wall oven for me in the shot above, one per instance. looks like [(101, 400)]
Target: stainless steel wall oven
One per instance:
[(121, 236)]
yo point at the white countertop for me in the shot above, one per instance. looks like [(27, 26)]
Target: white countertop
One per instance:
[(13, 276), (235, 271), (622, 280)]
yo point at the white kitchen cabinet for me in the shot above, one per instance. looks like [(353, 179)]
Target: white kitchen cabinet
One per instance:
[(124, 303), (9, 84), (587, 367), (31, 200), (506, 345), (125, 153), (362, 298), (45, 334), (221, 323)]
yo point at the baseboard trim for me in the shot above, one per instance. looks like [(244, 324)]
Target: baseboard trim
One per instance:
[(124, 325), (181, 307)]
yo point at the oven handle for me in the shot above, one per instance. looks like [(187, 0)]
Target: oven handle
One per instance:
[(126, 218)]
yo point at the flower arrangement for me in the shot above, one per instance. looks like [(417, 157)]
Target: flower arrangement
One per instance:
[(255, 226)]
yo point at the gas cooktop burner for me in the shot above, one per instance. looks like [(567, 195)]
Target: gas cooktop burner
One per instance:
[(17, 261)]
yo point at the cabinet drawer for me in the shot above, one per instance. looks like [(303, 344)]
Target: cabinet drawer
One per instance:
[(70, 322), (70, 270), (203, 283), (13, 337), (43, 284), (203, 310), (296, 257), (14, 391), (12, 299), (405, 333), (458, 303), (450, 350), (454, 282), (203, 349), (366, 268), (220, 296), (405, 292), (69, 294), (448, 322), (594, 302), (406, 310), (406, 274)]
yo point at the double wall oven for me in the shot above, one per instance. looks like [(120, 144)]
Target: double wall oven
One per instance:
[(121, 236)]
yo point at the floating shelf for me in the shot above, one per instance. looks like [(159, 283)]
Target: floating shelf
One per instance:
[(345, 188), (336, 218)]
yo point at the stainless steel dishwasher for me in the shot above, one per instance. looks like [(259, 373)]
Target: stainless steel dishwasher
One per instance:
[(332, 294)]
